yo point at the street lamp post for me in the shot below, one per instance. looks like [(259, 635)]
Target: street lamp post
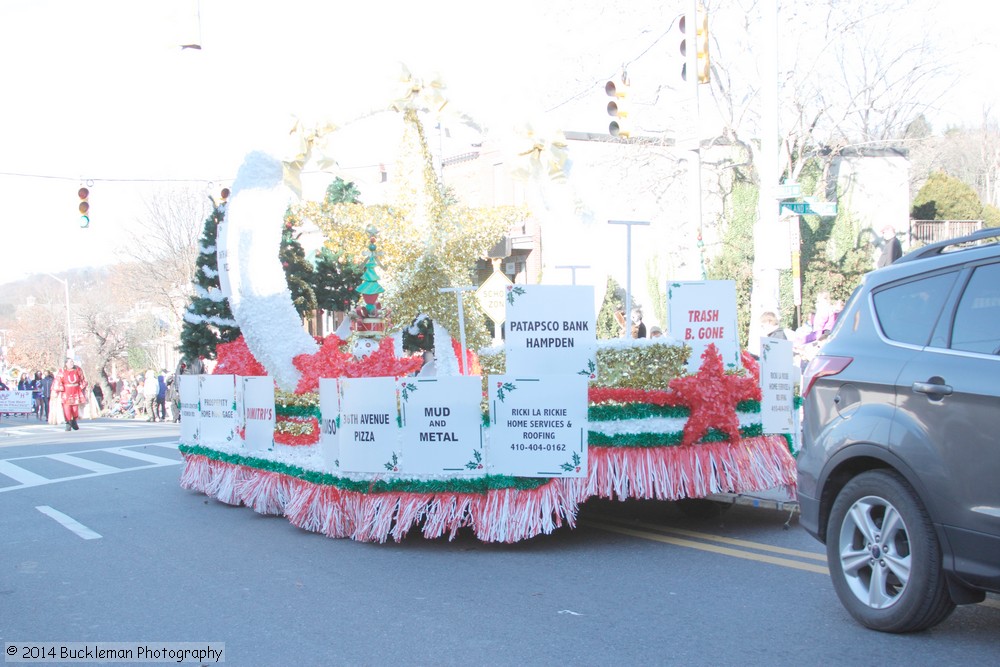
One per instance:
[(628, 270), (573, 268), (69, 331)]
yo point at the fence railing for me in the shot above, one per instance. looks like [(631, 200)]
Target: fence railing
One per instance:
[(923, 232)]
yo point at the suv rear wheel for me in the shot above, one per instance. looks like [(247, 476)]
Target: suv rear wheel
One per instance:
[(884, 557)]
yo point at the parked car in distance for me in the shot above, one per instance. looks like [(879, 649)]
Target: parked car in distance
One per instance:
[(899, 472)]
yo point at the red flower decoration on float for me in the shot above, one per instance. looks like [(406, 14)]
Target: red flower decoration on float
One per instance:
[(711, 396), (331, 361), (235, 358)]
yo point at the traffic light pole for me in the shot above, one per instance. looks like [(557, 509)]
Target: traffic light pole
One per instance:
[(764, 291), (695, 161)]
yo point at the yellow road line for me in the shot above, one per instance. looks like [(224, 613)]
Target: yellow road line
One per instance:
[(725, 551), (727, 540)]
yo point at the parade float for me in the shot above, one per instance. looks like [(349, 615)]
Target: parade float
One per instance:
[(351, 436)]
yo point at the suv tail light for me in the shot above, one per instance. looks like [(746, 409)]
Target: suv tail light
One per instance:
[(821, 366)]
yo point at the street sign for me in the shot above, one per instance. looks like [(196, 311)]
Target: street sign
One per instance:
[(824, 208), (797, 207), (788, 191), (492, 295)]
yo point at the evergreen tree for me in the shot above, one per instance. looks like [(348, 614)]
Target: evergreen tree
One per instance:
[(614, 300), (342, 192), (208, 320), (334, 280), (945, 197), (735, 262), (299, 272), (337, 274)]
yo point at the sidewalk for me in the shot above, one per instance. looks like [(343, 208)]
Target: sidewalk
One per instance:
[(18, 422)]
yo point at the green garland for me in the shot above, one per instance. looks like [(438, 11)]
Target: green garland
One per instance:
[(479, 485), (607, 412), (298, 411), (652, 440)]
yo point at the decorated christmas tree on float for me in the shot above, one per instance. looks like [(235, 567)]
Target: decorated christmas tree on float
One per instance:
[(208, 320)]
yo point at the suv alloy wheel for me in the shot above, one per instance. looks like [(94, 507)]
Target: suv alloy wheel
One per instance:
[(884, 556)]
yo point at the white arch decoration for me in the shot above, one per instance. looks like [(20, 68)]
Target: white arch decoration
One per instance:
[(259, 299)]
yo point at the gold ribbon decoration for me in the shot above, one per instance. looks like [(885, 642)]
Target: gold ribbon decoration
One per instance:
[(414, 93), (537, 154), (305, 141)]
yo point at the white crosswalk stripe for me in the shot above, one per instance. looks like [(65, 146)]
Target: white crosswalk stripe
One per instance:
[(25, 478)]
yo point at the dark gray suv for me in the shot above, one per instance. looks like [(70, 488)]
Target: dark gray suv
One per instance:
[(899, 473)]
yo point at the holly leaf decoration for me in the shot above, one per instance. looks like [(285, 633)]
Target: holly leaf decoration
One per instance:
[(476, 462), (503, 387), (512, 291)]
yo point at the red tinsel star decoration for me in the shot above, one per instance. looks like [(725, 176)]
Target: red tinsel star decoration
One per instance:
[(711, 396), (751, 383), (332, 362), (235, 358)]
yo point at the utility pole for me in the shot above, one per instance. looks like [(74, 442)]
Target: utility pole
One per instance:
[(69, 332), (764, 293), (628, 270), (573, 268)]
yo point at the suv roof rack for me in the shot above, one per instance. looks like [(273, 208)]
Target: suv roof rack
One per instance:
[(935, 249)]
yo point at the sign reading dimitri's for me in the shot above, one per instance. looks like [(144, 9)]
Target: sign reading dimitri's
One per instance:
[(550, 329)]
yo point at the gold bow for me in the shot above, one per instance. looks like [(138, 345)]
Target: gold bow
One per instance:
[(413, 93), (537, 154), (305, 141)]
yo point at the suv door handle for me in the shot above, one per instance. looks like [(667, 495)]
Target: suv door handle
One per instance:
[(933, 389)]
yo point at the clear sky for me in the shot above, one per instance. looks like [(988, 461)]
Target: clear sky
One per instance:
[(101, 91)]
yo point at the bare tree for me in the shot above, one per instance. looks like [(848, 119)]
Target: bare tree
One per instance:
[(160, 254), (112, 327), (37, 339)]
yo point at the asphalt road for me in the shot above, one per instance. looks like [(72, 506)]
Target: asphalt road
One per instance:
[(100, 544)]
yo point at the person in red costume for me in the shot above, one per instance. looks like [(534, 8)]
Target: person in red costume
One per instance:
[(71, 384)]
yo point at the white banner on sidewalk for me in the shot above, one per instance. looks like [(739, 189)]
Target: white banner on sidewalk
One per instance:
[(16, 401)]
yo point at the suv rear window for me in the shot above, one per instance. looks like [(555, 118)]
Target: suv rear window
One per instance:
[(977, 321), (907, 312)]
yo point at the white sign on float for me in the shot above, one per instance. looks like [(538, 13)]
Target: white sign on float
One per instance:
[(442, 425), (703, 313), (258, 413), (329, 408), (777, 385), (550, 329), (538, 425), (219, 409), (369, 427), (189, 389)]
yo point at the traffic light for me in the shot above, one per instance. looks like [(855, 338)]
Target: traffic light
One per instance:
[(700, 42), (84, 193), (618, 107)]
